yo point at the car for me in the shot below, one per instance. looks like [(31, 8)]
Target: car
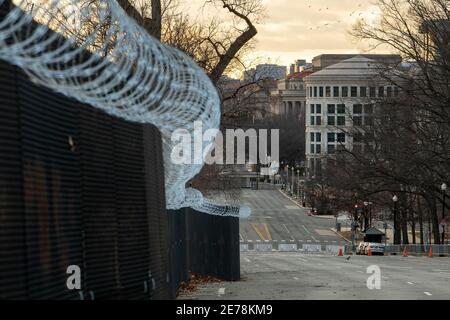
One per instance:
[(360, 248), (375, 248)]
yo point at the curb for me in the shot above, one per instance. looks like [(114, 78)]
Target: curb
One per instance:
[(292, 200), (301, 207), (340, 235), (323, 217)]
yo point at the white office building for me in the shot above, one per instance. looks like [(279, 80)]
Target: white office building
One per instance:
[(340, 97)]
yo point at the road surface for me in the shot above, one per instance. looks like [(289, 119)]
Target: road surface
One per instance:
[(276, 217), (298, 276), (301, 275)]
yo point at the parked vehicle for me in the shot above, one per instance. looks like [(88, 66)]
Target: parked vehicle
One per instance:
[(375, 248)]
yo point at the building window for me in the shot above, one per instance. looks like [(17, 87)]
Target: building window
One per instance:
[(312, 136), (331, 148), (313, 120), (318, 148), (357, 108), (327, 92), (389, 91), (321, 92), (396, 91), (381, 91), (336, 92), (331, 121), (341, 121), (318, 120), (312, 108), (341, 137), (341, 108), (318, 108), (331, 109), (331, 137), (372, 92), (312, 148), (357, 121), (354, 92), (344, 92), (318, 137), (315, 92), (310, 92), (363, 92)]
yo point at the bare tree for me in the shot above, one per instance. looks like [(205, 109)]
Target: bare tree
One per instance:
[(215, 46), (404, 149)]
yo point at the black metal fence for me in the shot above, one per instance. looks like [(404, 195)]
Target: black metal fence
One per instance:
[(79, 187), (203, 244)]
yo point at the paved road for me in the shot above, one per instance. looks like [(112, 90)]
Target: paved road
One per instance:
[(276, 217), (278, 275)]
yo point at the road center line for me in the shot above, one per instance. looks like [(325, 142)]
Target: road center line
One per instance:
[(221, 291), (427, 293), (409, 282)]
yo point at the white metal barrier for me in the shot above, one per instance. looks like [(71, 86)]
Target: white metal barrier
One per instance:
[(287, 247)]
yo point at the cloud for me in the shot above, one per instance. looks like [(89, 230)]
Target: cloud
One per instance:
[(305, 28), (302, 29)]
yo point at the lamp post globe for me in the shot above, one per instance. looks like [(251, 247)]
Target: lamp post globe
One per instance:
[(395, 199), (443, 188)]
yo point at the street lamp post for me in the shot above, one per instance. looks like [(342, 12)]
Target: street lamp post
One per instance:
[(293, 174), (366, 220), (443, 188), (385, 227), (287, 178), (298, 184), (395, 199)]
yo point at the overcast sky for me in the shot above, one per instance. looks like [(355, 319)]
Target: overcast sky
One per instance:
[(302, 29)]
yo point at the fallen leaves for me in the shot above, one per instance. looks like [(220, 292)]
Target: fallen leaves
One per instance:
[(194, 281)]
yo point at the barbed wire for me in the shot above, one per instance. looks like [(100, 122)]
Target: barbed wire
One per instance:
[(119, 68)]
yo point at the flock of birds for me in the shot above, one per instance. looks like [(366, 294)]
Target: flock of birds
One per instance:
[(355, 13)]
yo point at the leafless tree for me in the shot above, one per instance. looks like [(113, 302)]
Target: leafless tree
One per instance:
[(404, 150)]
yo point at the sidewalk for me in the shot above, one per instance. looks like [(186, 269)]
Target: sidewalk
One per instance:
[(298, 203)]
